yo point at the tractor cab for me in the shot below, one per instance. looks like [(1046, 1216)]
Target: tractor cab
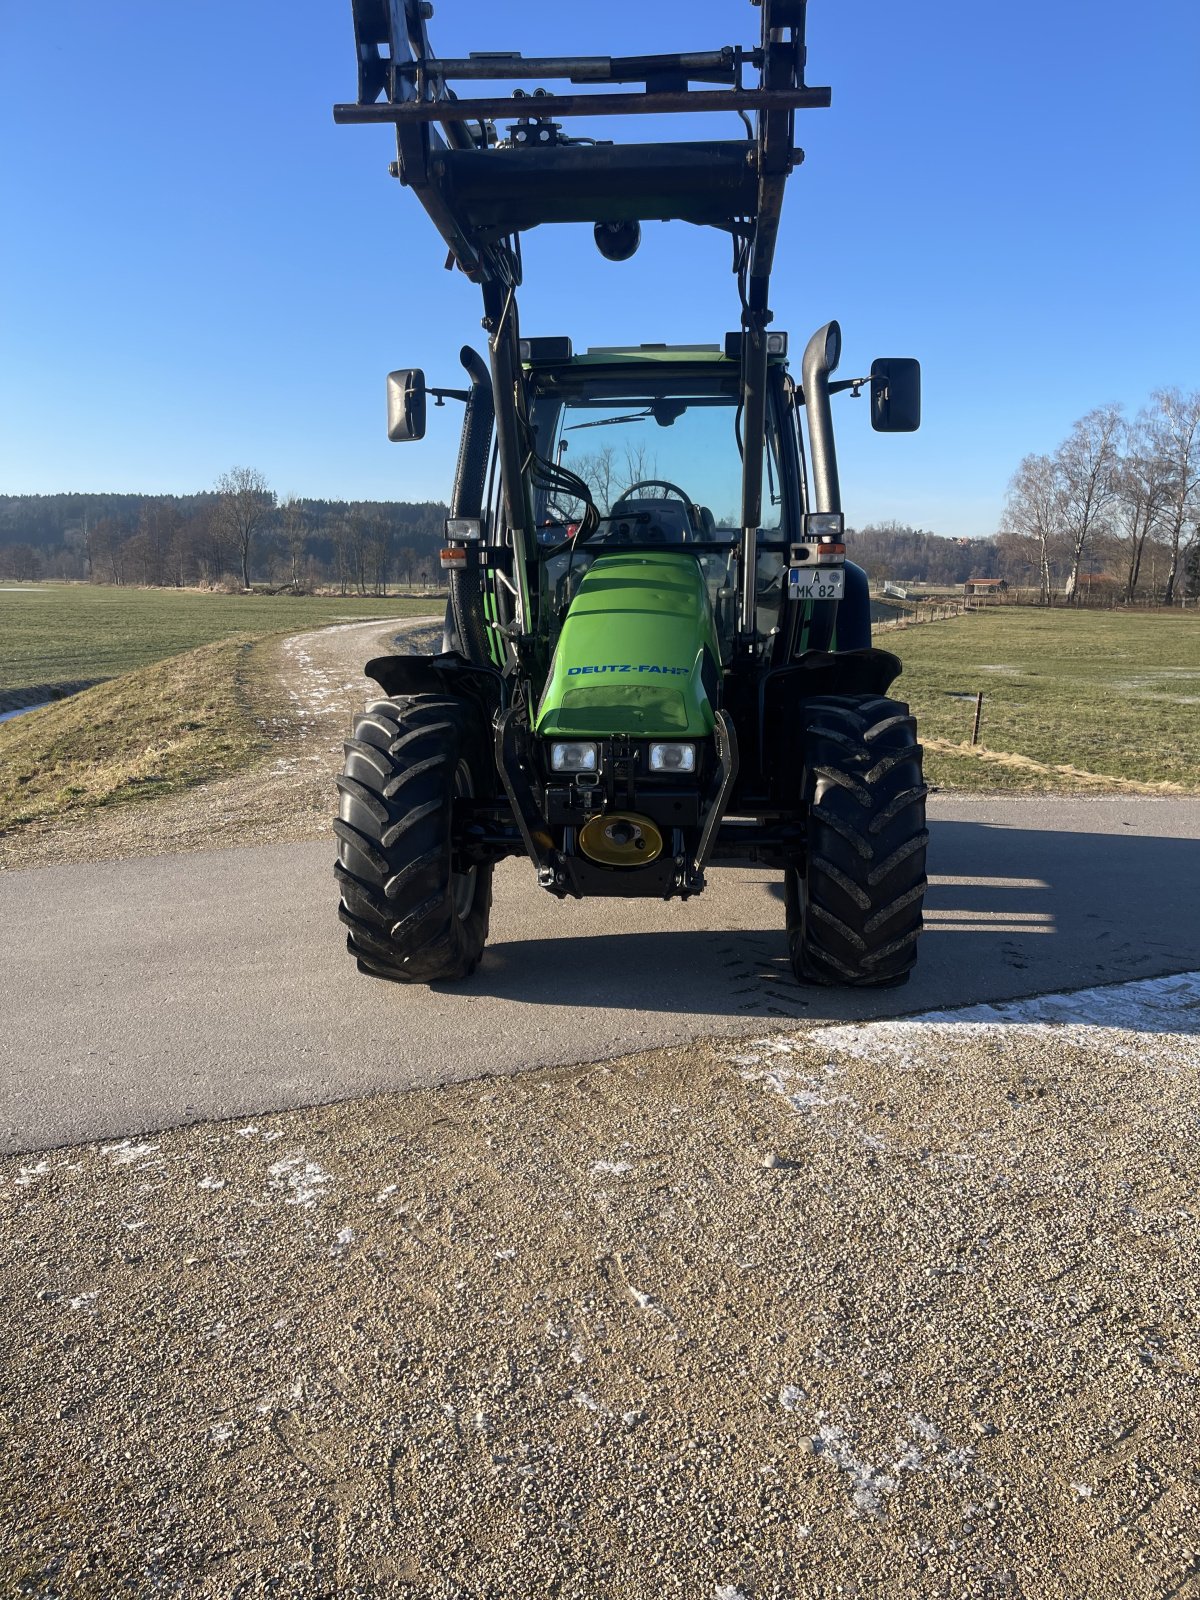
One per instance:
[(652, 435)]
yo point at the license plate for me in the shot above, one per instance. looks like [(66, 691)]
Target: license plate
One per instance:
[(816, 583)]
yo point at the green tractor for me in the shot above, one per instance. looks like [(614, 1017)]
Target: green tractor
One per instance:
[(657, 657)]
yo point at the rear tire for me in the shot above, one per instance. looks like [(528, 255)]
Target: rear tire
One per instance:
[(414, 913), (854, 913)]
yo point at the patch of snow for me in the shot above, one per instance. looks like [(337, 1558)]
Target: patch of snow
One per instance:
[(221, 1432), (868, 1484), (305, 1180), (211, 1183), (924, 1429), (84, 1302), (790, 1396), (615, 1168), (30, 1175), (126, 1153), (1146, 1005)]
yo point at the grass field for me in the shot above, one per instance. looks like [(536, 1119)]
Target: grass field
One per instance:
[(1104, 695), (146, 733), (1106, 692), (68, 633)]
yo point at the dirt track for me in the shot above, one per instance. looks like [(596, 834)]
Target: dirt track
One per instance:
[(897, 1311), (318, 686)]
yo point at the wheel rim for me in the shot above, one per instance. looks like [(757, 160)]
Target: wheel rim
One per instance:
[(462, 884)]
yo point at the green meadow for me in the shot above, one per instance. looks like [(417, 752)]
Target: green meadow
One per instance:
[(70, 633), (1109, 692)]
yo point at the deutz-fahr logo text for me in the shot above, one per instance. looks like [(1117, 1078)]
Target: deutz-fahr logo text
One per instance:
[(675, 672)]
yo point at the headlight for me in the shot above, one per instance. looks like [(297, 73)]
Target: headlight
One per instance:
[(574, 755), (672, 758)]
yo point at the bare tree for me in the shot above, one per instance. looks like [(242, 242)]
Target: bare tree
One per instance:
[(1142, 483), (598, 469), (379, 553), (107, 537), (1191, 564), (1086, 462), (1176, 432), (158, 524), (357, 537), (245, 504), (609, 477), (342, 554), (1034, 511), (295, 536), (20, 561)]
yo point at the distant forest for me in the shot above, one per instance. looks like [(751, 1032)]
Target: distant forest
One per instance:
[(220, 538), (357, 547), (239, 535)]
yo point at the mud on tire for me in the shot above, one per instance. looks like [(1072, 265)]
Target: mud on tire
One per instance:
[(855, 916), (414, 913)]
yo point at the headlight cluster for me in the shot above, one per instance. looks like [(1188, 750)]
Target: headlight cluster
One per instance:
[(583, 755), (574, 755), (672, 758)]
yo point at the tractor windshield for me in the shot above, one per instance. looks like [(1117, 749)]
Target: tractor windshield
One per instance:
[(659, 450), (660, 455)]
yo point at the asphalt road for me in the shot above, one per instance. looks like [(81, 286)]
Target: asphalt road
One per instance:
[(145, 993)]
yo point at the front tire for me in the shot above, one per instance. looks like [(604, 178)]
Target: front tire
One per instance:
[(415, 913), (854, 912)]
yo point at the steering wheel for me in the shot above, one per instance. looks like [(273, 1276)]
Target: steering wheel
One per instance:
[(656, 483), (660, 484)]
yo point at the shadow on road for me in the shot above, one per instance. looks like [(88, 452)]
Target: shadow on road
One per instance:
[(1010, 912)]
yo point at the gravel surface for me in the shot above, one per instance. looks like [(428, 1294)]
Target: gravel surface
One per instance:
[(290, 796), (906, 1309)]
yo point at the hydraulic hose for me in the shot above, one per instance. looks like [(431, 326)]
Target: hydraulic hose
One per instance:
[(466, 593)]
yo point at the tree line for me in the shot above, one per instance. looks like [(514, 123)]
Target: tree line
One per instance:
[(236, 534), (1119, 497)]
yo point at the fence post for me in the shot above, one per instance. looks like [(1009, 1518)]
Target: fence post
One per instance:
[(978, 714)]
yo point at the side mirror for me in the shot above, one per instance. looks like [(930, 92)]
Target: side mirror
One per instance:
[(406, 405), (896, 395)]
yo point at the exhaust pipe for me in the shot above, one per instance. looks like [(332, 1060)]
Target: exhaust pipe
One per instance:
[(821, 356), (466, 594)]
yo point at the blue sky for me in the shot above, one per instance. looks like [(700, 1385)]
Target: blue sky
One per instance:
[(198, 269)]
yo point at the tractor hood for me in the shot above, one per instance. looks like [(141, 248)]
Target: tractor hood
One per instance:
[(631, 654)]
